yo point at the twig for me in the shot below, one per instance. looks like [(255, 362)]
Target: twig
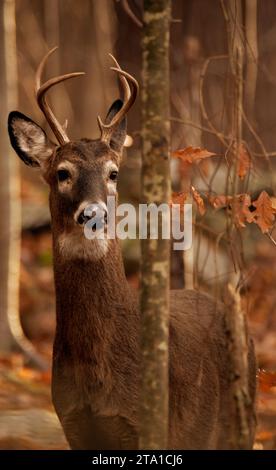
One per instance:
[(201, 98), (255, 135), (129, 12), (197, 126), (268, 154), (271, 238)]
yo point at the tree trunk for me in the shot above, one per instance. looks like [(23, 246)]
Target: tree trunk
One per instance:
[(10, 198), (235, 320), (11, 334), (251, 50), (156, 189)]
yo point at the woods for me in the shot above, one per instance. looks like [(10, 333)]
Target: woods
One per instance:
[(201, 132)]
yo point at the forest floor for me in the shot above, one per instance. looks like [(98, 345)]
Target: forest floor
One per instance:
[(28, 420)]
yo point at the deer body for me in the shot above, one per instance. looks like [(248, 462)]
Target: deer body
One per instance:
[(96, 357), (96, 364)]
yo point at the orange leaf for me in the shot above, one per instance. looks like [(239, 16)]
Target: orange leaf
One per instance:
[(239, 205), (199, 201), (264, 436), (192, 154), (241, 211), (244, 161), (273, 202), (179, 198), (219, 201), (264, 213), (267, 380)]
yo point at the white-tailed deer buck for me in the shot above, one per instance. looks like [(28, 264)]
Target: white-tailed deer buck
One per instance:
[(96, 357)]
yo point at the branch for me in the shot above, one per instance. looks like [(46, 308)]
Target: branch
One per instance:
[(129, 12), (218, 134), (271, 238), (201, 98)]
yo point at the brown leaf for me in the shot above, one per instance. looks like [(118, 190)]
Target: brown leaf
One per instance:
[(198, 200), (264, 436), (264, 213), (267, 380), (179, 198), (192, 155), (219, 201), (244, 161), (241, 211), (239, 205)]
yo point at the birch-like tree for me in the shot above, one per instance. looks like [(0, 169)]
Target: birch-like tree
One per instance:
[(156, 188), (11, 334)]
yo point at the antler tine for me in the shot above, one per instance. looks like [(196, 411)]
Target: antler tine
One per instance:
[(41, 91), (123, 80), (129, 98)]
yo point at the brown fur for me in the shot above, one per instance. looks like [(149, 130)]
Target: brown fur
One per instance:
[(96, 362), (96, 359)]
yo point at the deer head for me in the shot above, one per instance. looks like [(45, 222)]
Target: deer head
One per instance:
[(79, 173)]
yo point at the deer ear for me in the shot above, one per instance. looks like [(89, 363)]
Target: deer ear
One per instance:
[(28, 139), (119, 134)]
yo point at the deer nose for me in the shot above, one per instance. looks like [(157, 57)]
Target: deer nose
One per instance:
[(94, 215), (82, 219)]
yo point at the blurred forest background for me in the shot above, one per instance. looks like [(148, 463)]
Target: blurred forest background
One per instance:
[(202, 106)]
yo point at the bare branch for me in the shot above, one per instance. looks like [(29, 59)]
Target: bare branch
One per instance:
[(201, 97), (129, 12)]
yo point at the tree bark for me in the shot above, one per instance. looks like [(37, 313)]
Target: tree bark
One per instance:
[(235, 319), (251, 50), (155, 270), (10, 198), (11, 334)]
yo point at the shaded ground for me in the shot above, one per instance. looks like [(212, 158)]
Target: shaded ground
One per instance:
[(27, 417)]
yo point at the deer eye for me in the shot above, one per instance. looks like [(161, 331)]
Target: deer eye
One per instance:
[(113, 175), (63, 175)]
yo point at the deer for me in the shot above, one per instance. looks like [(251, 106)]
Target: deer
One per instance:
[(96, 362)]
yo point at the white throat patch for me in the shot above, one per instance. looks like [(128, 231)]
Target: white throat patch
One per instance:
[(76, 246)]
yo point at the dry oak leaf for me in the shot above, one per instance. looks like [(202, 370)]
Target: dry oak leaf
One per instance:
[(179, 197), (241, 211), (192, 154), (238, 205), (198, 200), (219, 201), (244, 161), (264, 213)]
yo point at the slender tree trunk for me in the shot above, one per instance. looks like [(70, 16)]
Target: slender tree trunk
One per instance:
[(235, 320), (251, 58), (156, 189), (11, 334), (10, 198)]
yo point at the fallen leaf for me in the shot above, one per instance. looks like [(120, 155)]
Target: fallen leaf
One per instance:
[(264, 436), (266, 379)]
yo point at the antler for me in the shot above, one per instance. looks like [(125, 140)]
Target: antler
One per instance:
[(130, 94), (41, 91)]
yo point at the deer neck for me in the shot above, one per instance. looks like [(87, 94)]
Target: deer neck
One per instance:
[(90, 296)]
